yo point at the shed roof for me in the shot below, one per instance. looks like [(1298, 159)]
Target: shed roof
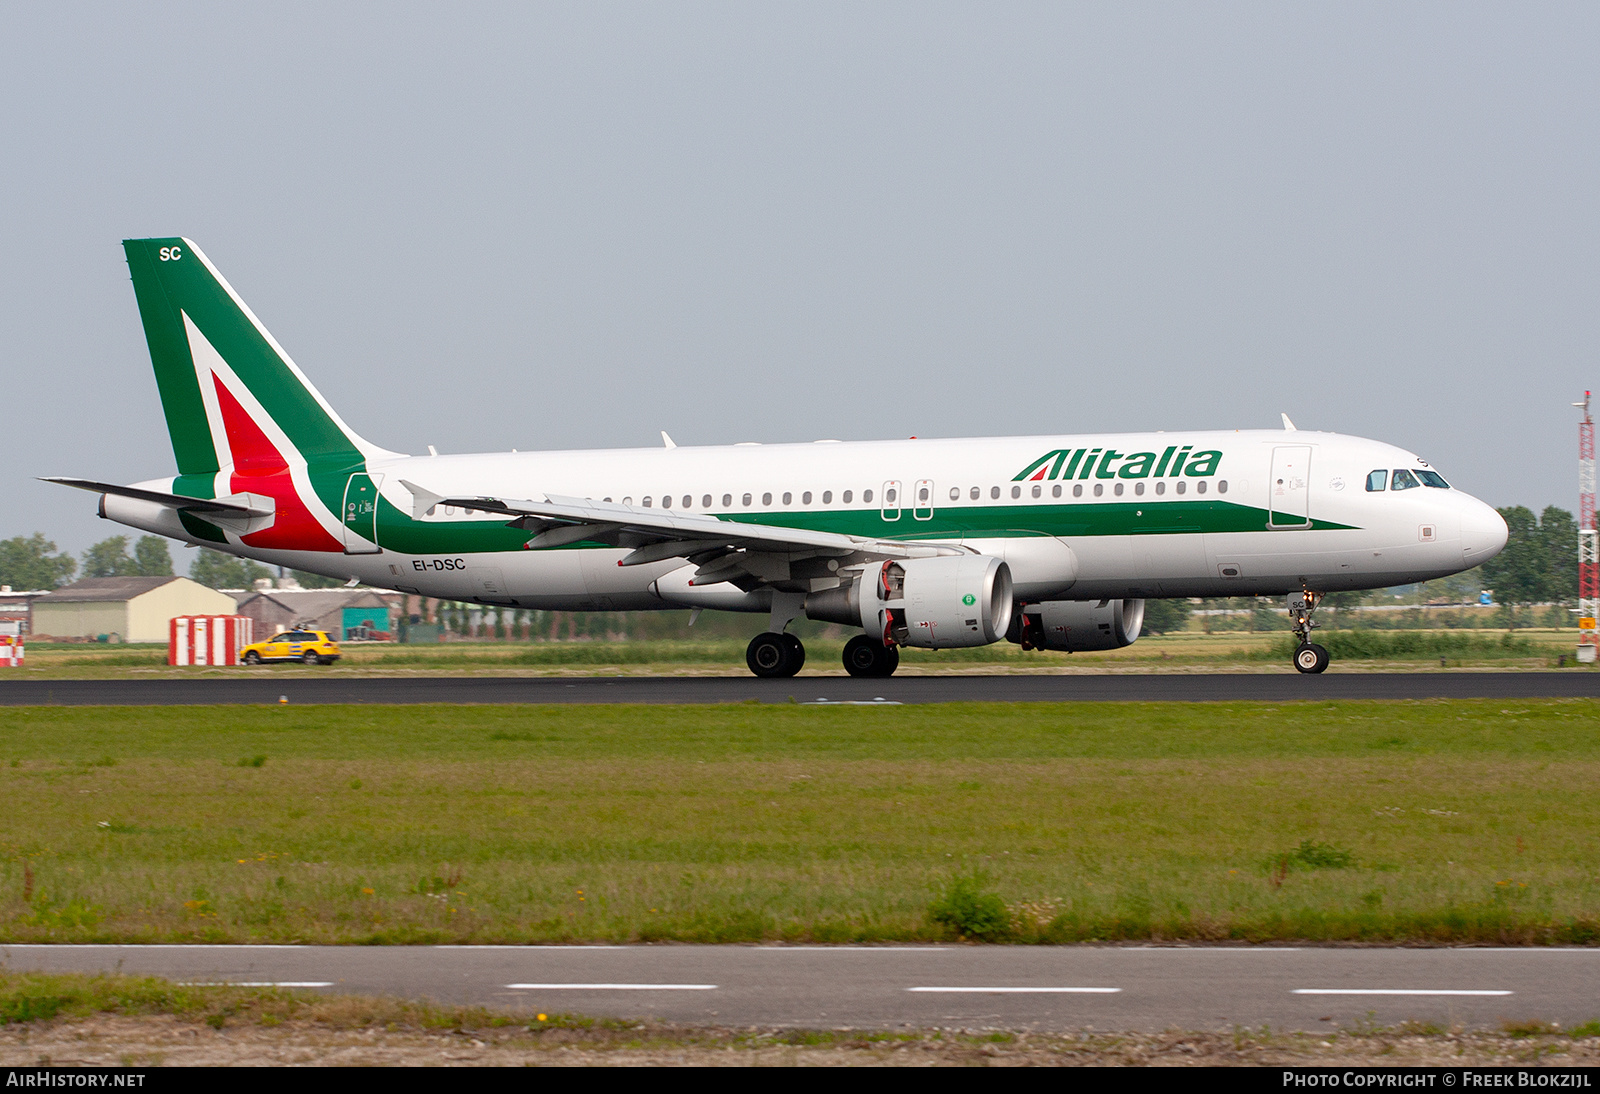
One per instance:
[(105, 589)]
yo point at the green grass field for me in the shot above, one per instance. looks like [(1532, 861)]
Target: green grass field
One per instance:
[(1448, 821)]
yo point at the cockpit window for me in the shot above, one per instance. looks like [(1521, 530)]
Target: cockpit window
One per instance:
[(1433, 479), (1376, 480), (1403, 480)]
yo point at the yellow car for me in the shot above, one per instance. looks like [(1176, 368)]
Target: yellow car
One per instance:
[(311, 647)]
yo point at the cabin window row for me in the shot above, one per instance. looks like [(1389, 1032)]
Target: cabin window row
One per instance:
[(891, 497)]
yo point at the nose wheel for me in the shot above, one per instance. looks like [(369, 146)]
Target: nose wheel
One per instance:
[(1308, 656)]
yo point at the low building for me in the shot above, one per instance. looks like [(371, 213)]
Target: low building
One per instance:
[(123, 609), (346, 614)]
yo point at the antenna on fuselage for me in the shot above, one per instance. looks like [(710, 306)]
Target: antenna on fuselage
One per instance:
[(1288, 426)]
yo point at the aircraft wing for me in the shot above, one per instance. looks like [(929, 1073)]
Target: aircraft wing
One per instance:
[(723, 549)]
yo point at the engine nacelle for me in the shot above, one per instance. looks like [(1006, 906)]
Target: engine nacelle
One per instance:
[(1078, 626), (932, 603)]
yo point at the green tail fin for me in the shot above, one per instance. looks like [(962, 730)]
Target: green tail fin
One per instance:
[(202, 337)]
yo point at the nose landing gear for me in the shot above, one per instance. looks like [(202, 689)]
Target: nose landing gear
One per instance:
[(1308, 656)]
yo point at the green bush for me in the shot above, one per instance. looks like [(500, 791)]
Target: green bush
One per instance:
[(1407, 645), (969, 911)]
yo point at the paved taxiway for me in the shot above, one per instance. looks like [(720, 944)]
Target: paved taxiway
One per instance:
[(1051, 987), (1176, 687)]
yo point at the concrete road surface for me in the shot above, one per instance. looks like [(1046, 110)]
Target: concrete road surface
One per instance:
[(1016, 987)]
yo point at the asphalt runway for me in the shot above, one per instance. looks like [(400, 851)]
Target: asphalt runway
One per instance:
[(1175, 687), (1014, 987)]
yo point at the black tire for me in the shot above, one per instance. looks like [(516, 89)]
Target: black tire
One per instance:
[(1311, 658), (868, 659), (770, 655), (797, 653), (252, 658), (309, 658)]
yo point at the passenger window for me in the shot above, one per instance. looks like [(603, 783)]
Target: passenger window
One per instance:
[(922, 494), (955, 493), (1077, 489), (647, 503), (727, 501), (1433, 479), (766, 499), (687, 501), (705, 502), (866, 497), (1200, 487), (1016, 491), (1222, 486), (1138, 488), (1403, 480), (845, 497), (994, 492), (666, 501), (1183, 487), (788, 498), (975, 493), (890, 495), (1376, 480), (745, 501), (1099, 488), (1055, 491), (627, 501), (805, 499), (1037, 490), (827, 497), (1118, 490), (1161, 488)]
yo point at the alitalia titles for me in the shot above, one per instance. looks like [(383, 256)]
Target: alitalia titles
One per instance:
[(1108, 463)]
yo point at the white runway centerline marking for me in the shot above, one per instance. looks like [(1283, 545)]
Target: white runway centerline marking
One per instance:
[(1393, 991), (613, 987), (1025, 991), (257, 983)]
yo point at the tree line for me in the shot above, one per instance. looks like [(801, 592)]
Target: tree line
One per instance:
[(33, 562)]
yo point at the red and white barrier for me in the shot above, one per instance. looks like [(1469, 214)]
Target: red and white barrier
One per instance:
[(208, 639), (11, 651)]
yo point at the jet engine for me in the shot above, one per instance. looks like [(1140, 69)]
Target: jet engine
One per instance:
[(932, 603), (1078, 625)]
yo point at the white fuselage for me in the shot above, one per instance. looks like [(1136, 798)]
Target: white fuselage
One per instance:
[(1281, 511)]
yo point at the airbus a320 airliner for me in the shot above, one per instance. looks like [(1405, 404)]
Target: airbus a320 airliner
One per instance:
[(1048, 542)]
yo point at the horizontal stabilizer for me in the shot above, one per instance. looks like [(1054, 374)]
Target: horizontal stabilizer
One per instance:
[(242, 505)]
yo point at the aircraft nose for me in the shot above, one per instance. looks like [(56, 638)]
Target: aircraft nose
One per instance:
[(1483, 533)]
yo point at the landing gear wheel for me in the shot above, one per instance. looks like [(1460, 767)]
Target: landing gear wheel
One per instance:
[(1310, 658), (797, 653), (864, 657), (252, 658), (774, 655)]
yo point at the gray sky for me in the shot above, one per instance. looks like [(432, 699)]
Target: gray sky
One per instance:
[(485, 227)]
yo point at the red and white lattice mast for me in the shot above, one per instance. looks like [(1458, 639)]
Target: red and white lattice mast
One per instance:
[(1588, 549)]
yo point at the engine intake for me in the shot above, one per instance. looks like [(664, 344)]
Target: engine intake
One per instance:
[(931, 603)]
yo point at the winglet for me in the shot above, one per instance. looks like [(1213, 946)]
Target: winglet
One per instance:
[(1288, 426), (422, 501)]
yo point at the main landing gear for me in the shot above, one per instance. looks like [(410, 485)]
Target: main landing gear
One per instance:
[(1308, 656), (864, 657), (774, 654)]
